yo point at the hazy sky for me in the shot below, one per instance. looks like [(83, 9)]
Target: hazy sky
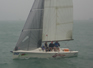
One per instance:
[(19, 9)]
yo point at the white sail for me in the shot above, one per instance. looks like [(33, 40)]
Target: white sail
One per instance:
[(58, 20)]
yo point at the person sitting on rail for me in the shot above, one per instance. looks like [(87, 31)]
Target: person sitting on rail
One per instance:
[(51, 46), (43, 47), (46, 46), (57, 45)]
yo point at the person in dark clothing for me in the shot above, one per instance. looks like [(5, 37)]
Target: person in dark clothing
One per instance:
[(51, 46), (57, 45), (46, 46)]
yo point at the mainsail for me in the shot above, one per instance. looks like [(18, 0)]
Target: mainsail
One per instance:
[(58, 20), (31, 34)]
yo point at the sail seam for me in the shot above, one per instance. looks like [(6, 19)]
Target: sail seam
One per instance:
[(31, 29), (37, 9), (64, 23), (60, 7)]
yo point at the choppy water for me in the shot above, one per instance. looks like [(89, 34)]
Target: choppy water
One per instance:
[(83, 42)]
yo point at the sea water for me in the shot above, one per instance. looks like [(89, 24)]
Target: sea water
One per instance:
[(83, 42)]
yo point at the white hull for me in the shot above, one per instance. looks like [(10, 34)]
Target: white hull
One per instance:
[(38, 53)]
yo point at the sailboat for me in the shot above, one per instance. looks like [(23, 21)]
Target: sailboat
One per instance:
[(48, 20)]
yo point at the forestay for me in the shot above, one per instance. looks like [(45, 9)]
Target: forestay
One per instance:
[(58, 20), (31, 34)]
